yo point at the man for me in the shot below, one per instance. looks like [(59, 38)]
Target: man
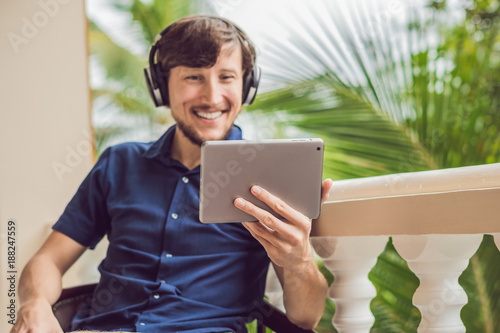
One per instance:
[(164, 270)]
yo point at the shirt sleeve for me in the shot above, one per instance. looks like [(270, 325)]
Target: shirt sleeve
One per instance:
[(86, 218)]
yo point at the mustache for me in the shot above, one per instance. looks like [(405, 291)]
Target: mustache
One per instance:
[(208, 107)]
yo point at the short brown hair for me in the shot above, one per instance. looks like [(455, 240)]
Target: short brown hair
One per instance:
[(196, 41)]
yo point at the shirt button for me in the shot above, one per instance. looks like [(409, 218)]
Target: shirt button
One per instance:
[(142, 324), (168, 255), (163, 281), (156, 296), (174, 216), (185, 180)]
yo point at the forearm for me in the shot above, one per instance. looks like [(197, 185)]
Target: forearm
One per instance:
[(40, 280), (41, 284), (304, 294)]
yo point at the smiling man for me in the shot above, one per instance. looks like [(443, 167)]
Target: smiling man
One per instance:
[(164, 270)]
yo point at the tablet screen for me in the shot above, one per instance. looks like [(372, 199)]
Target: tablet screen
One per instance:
[(291, 169)]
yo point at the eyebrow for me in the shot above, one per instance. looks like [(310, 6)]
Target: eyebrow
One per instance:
[(185, 69)]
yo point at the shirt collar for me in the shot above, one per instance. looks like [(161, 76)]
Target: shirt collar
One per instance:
[(160, 149)]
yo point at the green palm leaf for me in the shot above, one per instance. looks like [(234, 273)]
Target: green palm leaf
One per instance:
[(480, 280)]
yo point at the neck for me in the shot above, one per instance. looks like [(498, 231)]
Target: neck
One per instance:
[(186, 152)]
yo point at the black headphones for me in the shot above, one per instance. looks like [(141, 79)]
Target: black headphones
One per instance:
[(158, 86)]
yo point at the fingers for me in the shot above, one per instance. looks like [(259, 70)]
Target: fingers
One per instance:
[(286, 241), (326, 186), (269, 230), (256, 230), (269, 224), (265, 218), (277, 205), (35, 316)]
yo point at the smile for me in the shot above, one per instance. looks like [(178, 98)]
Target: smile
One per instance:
[(208, 115)]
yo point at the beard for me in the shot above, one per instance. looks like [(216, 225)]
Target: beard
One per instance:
[(190, 133)]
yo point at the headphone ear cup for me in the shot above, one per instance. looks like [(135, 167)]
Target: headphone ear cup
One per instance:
[(250, 85), (161, 87), (150, 84)]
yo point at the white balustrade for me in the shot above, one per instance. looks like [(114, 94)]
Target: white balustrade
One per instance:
[(437, 220), (438, 261), (350, 259)]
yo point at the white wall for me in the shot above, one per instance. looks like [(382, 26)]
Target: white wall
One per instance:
[(45, 135)]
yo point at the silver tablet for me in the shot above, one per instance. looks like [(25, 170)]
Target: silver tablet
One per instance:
[(291, 169)]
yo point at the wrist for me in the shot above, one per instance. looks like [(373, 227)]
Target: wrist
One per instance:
[(303, 269), (36, 301)]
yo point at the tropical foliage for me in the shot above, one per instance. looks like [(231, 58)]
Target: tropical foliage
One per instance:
[(396, 87), (390, 87)]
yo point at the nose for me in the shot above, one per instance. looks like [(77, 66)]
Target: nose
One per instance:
[(212, 92)]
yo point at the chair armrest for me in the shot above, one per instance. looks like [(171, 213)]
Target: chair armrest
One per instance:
[(275, 319), (71, 300), (69, 303)]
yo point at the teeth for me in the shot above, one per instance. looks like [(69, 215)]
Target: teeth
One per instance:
[(209, 115)]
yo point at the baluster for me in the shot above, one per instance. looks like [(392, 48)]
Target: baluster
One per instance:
[(438, 261), (350, 259), (496, 238)]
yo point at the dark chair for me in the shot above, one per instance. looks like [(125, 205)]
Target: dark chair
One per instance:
[(266, 314)]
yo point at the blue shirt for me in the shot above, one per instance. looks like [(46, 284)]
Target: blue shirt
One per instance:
[(164, 271)]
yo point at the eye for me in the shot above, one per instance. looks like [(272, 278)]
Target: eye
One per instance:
[(193, 77), (227, 77)]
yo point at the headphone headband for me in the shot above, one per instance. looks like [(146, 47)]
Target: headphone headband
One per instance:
[(158, 86)]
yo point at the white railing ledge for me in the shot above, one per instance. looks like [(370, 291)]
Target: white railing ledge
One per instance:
[(448, 201), (434, 181)]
